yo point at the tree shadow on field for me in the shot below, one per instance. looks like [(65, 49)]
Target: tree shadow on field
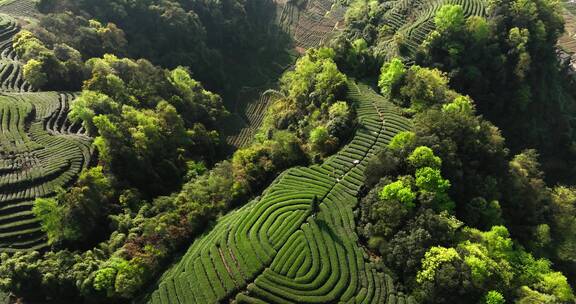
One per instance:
[(325, 227)]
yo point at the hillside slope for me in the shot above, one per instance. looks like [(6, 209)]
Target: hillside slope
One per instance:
[(40, 149), (275, 250), (407, 23), (309, 25)]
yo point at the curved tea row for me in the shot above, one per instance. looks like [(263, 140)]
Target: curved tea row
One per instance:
[(252, 116), (11, 69), (311, 22), (276, 250), (415, 18), (40, 151), (21, 8)]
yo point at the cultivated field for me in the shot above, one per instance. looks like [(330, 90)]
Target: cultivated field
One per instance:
[(11, 79), (568, 41), (414, 19), (273, 250), (18, 8), (40, 150), (250, 114), (310, 24)]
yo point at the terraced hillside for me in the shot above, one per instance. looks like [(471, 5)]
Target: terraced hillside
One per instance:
[(40, 150), (18, 8), (567, 42), (251, 113), (11, 77), (274, 250), (311, 22), (414, 19)]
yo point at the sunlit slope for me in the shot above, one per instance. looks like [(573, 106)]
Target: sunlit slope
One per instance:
[(310, 23), (274, 250)]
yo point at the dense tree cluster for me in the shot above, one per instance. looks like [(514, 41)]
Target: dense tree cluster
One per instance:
[(309, 104), (75, 215), (155, 131), (57, 67), (209, 37), (506, 62), (89, 36), (433, 188), (148, 122)]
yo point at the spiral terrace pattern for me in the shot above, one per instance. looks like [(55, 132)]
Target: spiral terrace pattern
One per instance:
[(274, 250), (40, 149)]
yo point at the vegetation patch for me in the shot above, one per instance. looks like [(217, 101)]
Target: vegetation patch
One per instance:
[(280, 247)]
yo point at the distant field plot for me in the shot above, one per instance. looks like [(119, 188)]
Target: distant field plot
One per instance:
[(310, 23), (248, 116), (414, 19), (40, 151), (273, 250), (568, 41), (11, 69), (18, 8)]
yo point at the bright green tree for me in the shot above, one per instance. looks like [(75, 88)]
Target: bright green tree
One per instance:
[(400, 190), (402, 140), (339, 109), (424, 88), (321, 141), (424, 157), (51, 217), (450, 18), (430, 179), (494, 297), (34, 73), (433, 259), (461, 104), (390, 74)]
